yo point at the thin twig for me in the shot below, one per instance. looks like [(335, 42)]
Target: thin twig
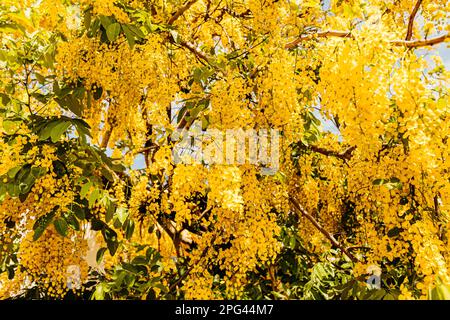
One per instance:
[(180, 11), (316, 224), (146, 149), (199, 54), (345, 155), (203, 214), (247, 14), (347, 34), (106, 138), (27, 76), (322, 34), (202, 255)]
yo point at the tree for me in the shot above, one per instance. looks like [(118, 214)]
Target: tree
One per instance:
[(102, 194)]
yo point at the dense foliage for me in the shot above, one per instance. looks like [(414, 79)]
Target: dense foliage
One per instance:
[(94, 206)]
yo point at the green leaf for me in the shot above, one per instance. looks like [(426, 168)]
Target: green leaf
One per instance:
[(41, 224), (13, 189), (205, 122), (111, 208), (100, 290), (11, 126), (139, 260), (129, 35), (85, 189), (122, 214), (175, 36), (389, 296), (2, 192), (100, 254), (107, 174), (58, 130), (43, 98), (130, 268), (440, 292), (13, 171), (5, 99), (81, 123), (48, 59), (129, 229), (38, 172), (72, 221), (281, 177), (93, 197), (46, 131), (97, 224), (110, 237), (87, 18), (113, 31), (105, 21), (377, 294), (197, 74), (79, 212), (82, 129), (61, 226), (89, 100), (136, 30), (95, 25), (292, 242), (392, 183), (181, 113), (118, 167), (25, 179), (40, 78), (72, 103)]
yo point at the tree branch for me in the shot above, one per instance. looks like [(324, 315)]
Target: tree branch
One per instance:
[(26, 83), (145, 149), (347, 34), (345, 155), (322, 34), (247, 14), (411, 20), (421, 43), (203, 214), (316, 224), (177, 237), (180, 11), (106, 138), (200, 55), (202, 255)]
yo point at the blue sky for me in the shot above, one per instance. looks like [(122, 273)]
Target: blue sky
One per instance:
[(444, 52)]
